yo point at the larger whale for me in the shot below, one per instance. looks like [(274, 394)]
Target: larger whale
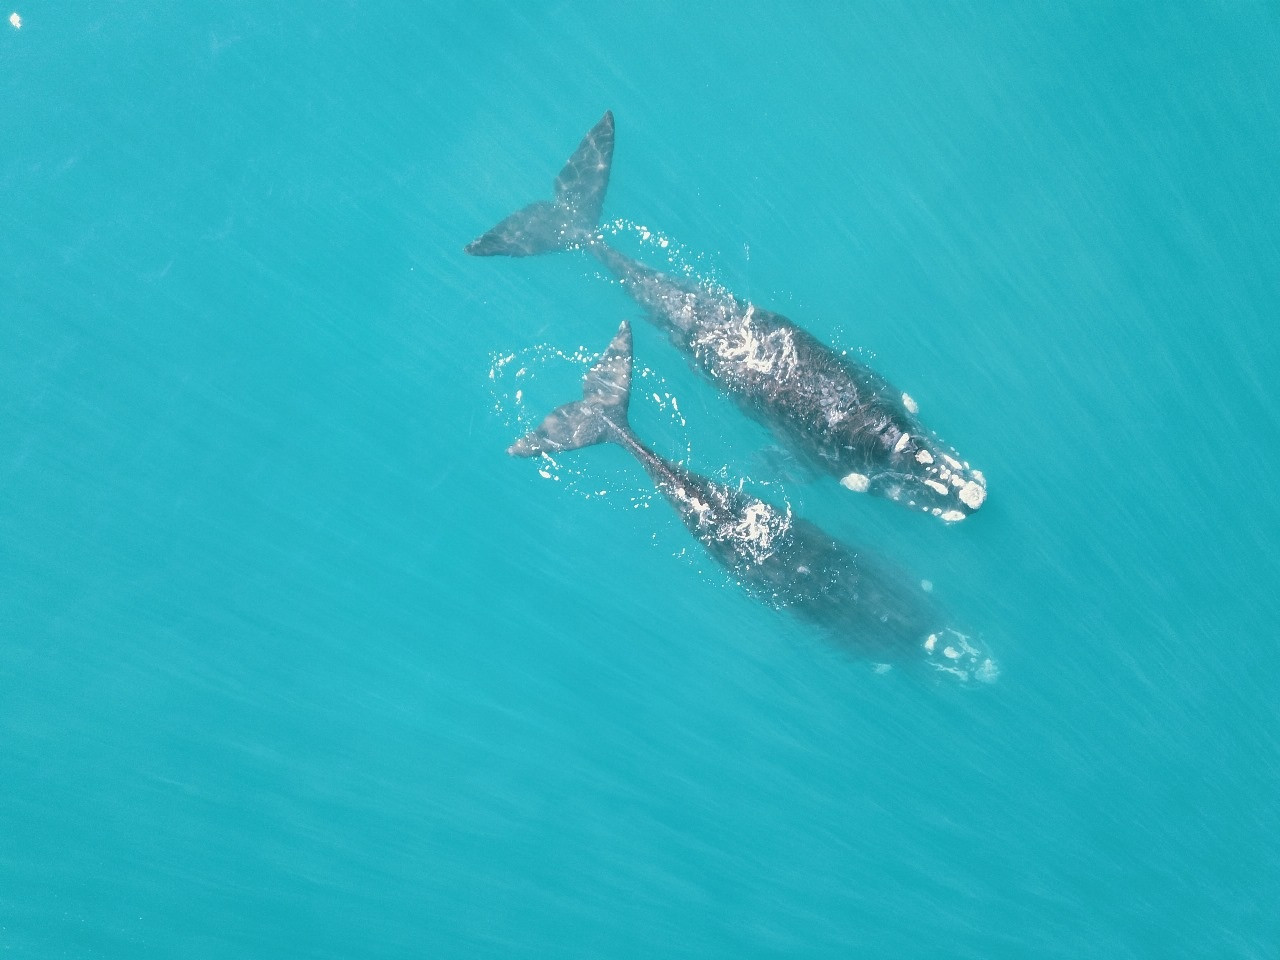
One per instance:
[(788, 562), (836, 414)]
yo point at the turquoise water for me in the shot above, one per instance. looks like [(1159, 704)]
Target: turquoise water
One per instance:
[(295, 662)]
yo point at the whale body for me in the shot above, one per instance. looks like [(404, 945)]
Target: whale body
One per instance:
[(784, 560), (834, 413)]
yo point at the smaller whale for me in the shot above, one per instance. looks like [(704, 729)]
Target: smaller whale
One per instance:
[(838, 415), (784, 560)]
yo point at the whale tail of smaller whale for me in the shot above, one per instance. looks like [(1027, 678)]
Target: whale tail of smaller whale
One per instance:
[(570, 218), (599, 417)]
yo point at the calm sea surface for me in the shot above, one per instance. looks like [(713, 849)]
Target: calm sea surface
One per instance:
[(295, 662)]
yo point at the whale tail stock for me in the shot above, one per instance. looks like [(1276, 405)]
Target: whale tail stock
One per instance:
[(571, 217), (599, 417)]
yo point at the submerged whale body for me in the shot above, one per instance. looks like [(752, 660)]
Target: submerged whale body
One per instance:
[(781, 559), (838, 415)]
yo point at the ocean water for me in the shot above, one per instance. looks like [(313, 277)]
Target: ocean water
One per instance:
[(295, 662)]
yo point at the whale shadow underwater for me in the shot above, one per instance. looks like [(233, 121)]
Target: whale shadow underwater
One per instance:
[(859, 602), (832, 412)]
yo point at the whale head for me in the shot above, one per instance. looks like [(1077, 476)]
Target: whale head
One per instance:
[(916, 469), (956, 655)]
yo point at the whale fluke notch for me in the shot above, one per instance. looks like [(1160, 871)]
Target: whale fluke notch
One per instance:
[(599, 417), (568, 220)]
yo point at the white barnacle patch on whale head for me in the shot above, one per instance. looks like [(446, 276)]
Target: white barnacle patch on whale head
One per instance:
[(960, 656), (972, 495), (911, 405), (949, 488), (903, 440), (857, 482)]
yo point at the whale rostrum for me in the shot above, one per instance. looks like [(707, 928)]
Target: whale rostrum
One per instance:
[(833, 412)]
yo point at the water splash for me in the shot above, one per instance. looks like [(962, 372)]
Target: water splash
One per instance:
[(525, 384), (514, 375)]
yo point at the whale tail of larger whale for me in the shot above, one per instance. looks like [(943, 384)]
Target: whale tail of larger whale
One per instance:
[(599, 417), (569, 219)]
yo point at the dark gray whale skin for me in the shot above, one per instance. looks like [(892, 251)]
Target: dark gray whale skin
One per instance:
[(836, 414), (789, 563)]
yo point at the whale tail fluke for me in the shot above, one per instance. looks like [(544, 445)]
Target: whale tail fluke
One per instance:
[(570, 218), (599, 417)]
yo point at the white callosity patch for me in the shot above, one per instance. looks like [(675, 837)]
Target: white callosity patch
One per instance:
[(972, 495), (902, 442), (949, 651), (911, 405), (944, 475), (987, 671), (857, 482), (15, 20)]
